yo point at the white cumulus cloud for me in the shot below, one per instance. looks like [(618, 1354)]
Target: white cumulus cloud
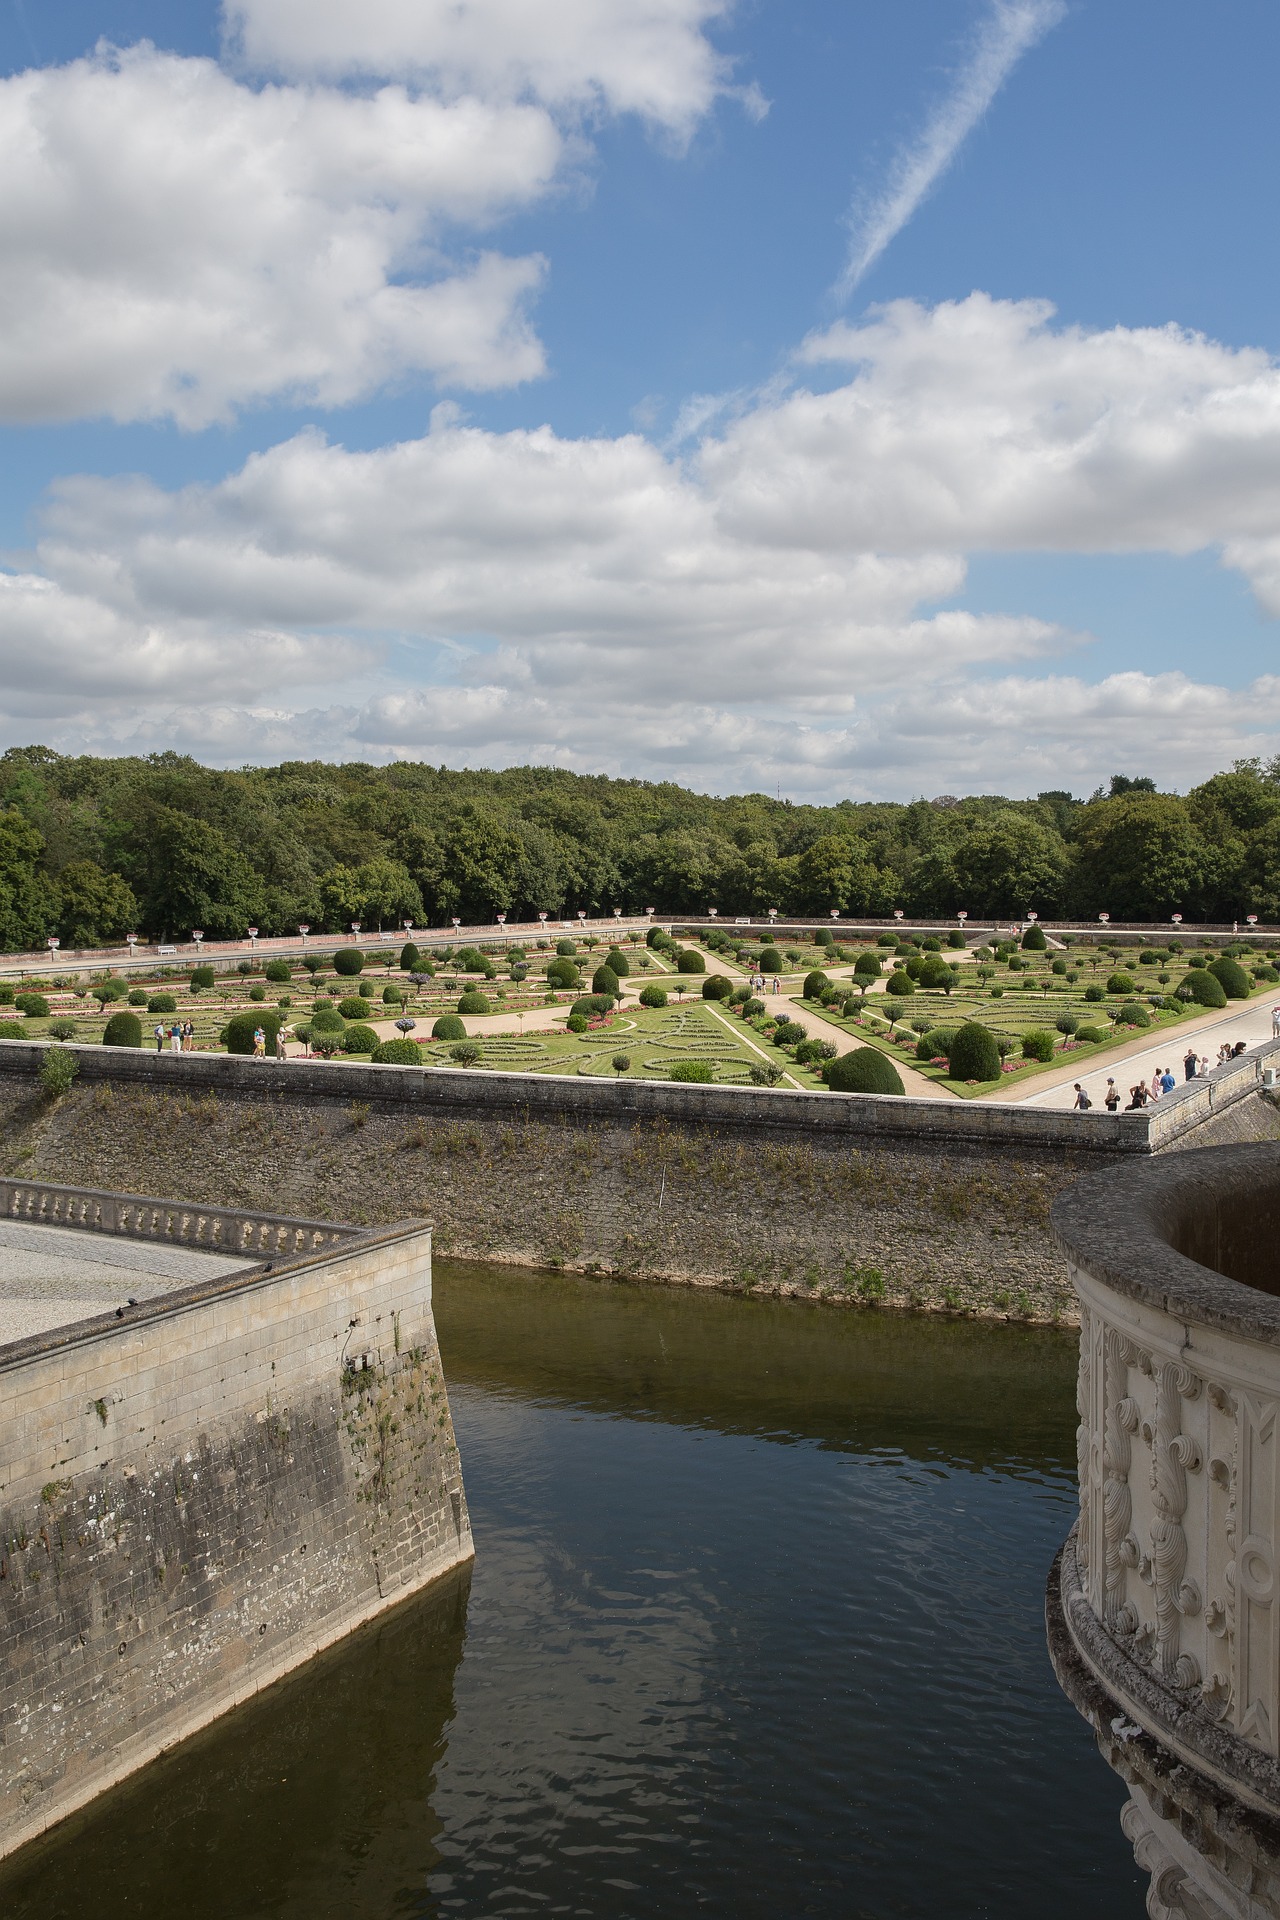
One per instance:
[(177, 244), (649, 57)]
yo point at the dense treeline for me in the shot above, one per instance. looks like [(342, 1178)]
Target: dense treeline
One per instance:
[(93, 848)]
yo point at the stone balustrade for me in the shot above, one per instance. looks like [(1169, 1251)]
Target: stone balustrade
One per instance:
[(1164, 1605), (231, 1230)]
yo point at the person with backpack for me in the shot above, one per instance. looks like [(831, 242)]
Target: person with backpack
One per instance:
[(1083, 1102), (1111, 1098)]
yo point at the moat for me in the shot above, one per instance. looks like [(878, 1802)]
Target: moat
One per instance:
[(755, 1627)]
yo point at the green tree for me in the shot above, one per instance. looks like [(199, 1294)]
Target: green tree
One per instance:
[(1010, 862), (1141, 857), (28, 903), (192, 876), (95, 909)]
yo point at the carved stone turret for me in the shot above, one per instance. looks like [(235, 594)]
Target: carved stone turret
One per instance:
[(1163, 1606)]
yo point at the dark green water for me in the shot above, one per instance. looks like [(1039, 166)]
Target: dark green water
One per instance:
[(754, 1629)]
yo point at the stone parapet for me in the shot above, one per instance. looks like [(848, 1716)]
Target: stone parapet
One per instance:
[(232, 1230), (1166, 1596)]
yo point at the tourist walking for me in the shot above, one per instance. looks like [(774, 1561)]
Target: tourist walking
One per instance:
[(1083, 1102), (1157, 1083), (1168, 1081), (280, 1046), (1275, 1023), (159, 1036), (1111, 1098), (259, 1043), (175, 1038), (1190, 1064)]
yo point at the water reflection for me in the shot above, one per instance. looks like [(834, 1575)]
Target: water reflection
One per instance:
[(755, 1629)]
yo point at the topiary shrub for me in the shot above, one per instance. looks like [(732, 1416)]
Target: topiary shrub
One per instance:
[(1266, 976), (353, 1008), (1232, 978), (617, 961), (716, 986), (1090, 1036), (576, 1023), (814, 983), (1033, 940), (563, 973), (1202, 989), (348, 961), (900, 983), (279, 971), (392, 996), (752, 1009), (702, 1072), (1094, 994), (690, 962), (864, 1070), (1133, 1014), (592, 1005), (474, 1002), (162, 1003), (867, 966), (955, 939), (788, 1033), (935, 1043), (770, 961), (257, 993), (36, 1007), (239, 1030), (359, 1039), (12, 1030), (567, 948), (1038, 1044), (605, 981), (398, 1053), (201, 978), (63, 1029), (410, 960), (1067, 1024), (653, 996), (1121, 983), (448, 1027), (123, 1029), (934, 973), (137, 998), (325, 1019), (973, 1053)]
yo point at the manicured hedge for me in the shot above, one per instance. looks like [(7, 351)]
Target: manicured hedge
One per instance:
[(1202, 988), (353, 1007), (278, 970), (690, 962), (814, 983), (447, 1027), (1231, 977), (1038, 1044), (716, 986), (348, 961), (123, 1029), (359, 1039), (973, 1054), (474, 1002), (605, 981), (34, 1005), (700, 1071), (239, 1030), (864, 1070), (398, 1053), (653, 996), (770, 961)]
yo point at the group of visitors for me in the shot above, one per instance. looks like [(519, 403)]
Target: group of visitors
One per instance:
[(1195, 1066), (759, 984), (180, 1037)]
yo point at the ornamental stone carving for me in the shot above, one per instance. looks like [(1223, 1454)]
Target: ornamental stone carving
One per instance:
[(1164, 1605)]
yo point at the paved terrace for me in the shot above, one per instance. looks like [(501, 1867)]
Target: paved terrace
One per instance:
[(53, 1276)]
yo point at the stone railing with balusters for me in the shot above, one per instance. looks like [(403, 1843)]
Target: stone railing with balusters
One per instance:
[(230, 1230), (1164, 1608)]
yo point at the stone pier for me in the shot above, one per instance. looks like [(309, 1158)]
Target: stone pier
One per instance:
[(1164, 1604), (224, 1443)]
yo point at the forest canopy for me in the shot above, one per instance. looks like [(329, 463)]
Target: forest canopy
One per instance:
[(93, 848)]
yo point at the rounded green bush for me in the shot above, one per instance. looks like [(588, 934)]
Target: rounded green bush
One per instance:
[(900, 984), (201, 977), (353, 1008), (576, 1023), (137, 998), (1038, 1044), (562, 973), (887, 940), (867, 965), (752, 1008), (1232, 978), (914, 965), (12, 1030), (1058, 966), (617, 962), (592, 1005), (348, 961), (1094, 994), (397, 1053), (814, 983), (34, 1005), (770, 961), (973, 1054), (1133, 1014), (1202, 988), (1033, 940), (123, 1030), (391, 996), (1090, 1036), (788, 1033), (653, 996), (1121, 983), (690, 962), (359, 1039), (239, 1030), (448, 1027), (934, 973), (410, 958), (257, 993), (1266, 976), (935, 1043), (931, 944), (470, 960), (566, 948), (605, 981), (717, 986), (162, 1003), (955, 939), (277, 970), (702, 1072), (323, 1020), (864, 1070), (474, 1002)]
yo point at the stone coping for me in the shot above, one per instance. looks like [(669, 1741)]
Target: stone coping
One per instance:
[(338, 1241), (881, 1117), (1196, 1236), (1179, 1724)]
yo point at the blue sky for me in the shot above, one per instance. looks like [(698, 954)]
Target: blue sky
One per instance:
[(645, 590)]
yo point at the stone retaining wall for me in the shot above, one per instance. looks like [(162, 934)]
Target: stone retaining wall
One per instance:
[(199, 1494), (839, 1197)]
